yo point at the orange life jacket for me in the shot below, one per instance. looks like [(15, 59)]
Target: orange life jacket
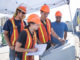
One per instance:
[(30, 43), (15, 33), (45, 35)]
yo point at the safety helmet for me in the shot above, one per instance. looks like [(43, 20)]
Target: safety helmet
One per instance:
[(45, 8), (58, 13), (34, 18), (23, 8)]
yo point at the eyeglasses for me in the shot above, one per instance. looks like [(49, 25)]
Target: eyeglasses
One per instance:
[(21, 11)]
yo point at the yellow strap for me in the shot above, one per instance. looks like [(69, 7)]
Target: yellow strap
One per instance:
[(78, 20), (29, 39), (14, 32), (42, 34), (25, 55), (28, 43)]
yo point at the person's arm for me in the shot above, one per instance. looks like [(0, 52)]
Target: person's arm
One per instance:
[(65, 35), (21, 41), (19, 49), (7, 39), (54, 34), (6, 29)]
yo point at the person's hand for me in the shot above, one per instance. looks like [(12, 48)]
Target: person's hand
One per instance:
[(39, 41), (62, 40), (52, 44), (11, 47), (33, 50)]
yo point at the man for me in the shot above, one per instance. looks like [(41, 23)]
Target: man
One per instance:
[(12, 28), (45, 30), (60, 28)]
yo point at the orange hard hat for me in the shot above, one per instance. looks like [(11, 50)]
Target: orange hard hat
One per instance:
[(58, 13), (45, 8), (23, 8), (34, 18)]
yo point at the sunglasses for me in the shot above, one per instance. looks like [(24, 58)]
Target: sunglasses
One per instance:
[(21, 11)]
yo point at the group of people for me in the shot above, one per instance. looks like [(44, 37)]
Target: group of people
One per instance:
[(22, 38)]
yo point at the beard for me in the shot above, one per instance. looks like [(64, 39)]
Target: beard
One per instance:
[(22, 17), (58, 20)]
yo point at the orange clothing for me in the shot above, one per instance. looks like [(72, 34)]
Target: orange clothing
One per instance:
[(15, 33), (45, 34), (30, 43)]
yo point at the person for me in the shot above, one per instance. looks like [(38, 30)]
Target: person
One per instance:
[(45, 30), (27, 39), (60, 28), (12, 29)]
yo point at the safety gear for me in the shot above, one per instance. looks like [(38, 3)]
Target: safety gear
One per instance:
[(23, 8), (34, 18), (15, 33), (45, 8), (58, 13), (45, 35), (30, 43)]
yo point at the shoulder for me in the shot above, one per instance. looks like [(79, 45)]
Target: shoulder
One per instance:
[(7, 25), (8, 21), (53, 22), (63, 23), (48, 19), (24, 31), (22, 37)]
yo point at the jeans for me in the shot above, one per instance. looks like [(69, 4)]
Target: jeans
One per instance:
[(18, 58), (12, 54)]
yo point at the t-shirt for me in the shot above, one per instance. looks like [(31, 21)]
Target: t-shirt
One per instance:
[(59, 28), (8, 26), (22, 40)]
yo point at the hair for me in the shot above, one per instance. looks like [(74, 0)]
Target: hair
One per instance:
[(29, 24), (15, 14)]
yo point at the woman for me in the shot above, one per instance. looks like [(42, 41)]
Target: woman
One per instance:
[(27, 39)]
